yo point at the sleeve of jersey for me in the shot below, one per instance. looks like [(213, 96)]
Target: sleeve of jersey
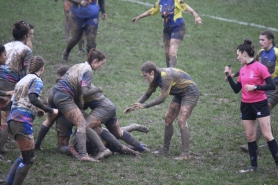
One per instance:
[(275, 73), (155, 9), (36, 86), (264, 72), (27, 58), (87, 79), (165, 90), (182, 4)]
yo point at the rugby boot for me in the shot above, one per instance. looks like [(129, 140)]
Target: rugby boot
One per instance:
[(136, 127), (104, 153), (249, 169), (88, 158), (182, 157)]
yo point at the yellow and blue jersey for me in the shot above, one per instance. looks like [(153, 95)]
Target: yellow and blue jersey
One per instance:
[(270, 60), (170, 10)]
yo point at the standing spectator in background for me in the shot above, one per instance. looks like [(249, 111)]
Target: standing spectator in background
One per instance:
[(174, 26)]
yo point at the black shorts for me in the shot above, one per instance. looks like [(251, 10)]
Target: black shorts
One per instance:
[(252, 111)]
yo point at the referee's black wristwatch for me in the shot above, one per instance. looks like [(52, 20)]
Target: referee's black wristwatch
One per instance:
[(255, 87)]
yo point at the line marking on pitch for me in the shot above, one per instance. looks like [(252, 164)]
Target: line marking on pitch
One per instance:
[(215, 17)]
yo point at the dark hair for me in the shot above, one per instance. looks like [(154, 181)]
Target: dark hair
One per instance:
[(247, 47), (148, 67), (20, 29), (62, 70), (95, 54), (269, 35), (30, 26), (36, 63), (2, 49)]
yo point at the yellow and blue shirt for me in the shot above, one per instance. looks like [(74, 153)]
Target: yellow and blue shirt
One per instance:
[(170, 10), (270, 60)]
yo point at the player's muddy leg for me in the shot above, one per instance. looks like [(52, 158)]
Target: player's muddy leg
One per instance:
[(174, 46), (91, 34), (44, 130)]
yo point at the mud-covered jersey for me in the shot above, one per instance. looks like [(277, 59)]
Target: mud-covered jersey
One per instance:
[(170, 10), (172, 81), (22, 109), (18, 57), (78, 76)]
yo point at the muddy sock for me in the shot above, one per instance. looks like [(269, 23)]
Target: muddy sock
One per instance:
[(21, 173), (185, 139), (10, 177), (3, 137), (258, 132), (41, 134), (24, 166), (113, 144), (173, 61), (135, 127), (167, 60), (252, 148), (94, 138), (129, 139), (81, 143), (168, 133), (272, 145)]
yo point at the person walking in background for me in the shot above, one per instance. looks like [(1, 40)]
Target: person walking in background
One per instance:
[(254, 79), (174, 82), (25, 104), (83, 17), (174, 25)]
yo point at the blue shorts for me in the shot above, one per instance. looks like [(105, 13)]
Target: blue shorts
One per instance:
[(85, 15), (174, 32), (18, 128)]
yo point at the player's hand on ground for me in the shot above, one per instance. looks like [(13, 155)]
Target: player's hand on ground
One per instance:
[(40, 113), (129, 151)]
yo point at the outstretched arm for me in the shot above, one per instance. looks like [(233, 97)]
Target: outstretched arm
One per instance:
[(197, 17), (145, 14)]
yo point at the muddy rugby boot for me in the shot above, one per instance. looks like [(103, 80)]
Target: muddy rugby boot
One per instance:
[(104, 153), (249, 169), (161, 151), (182, 157), (65, 56), (139, 128), (88, 158)]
